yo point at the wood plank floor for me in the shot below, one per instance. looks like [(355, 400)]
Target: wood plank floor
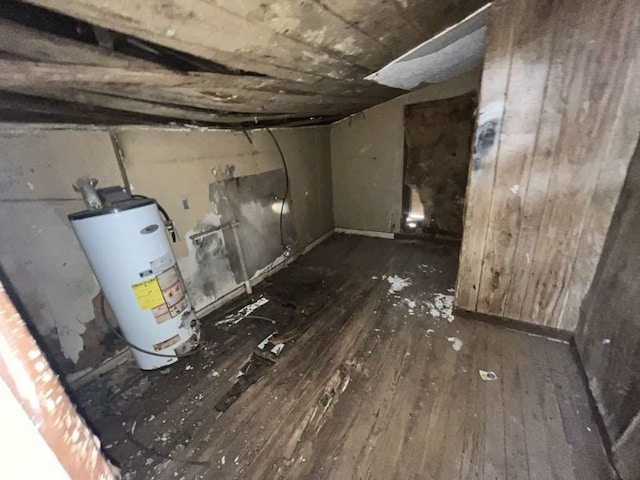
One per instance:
[(368, 386)]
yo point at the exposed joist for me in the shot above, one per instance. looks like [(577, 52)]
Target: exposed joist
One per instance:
[(28, 43), (207, 31), (156, 109), (17, 107), (202, 90)]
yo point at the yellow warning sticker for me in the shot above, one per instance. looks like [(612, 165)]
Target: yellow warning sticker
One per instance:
[(148, 293)]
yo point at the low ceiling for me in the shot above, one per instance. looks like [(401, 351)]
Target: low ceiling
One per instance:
[(208, 62)]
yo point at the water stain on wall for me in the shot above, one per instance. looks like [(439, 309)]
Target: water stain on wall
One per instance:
[(487, 132), (240, 236), (206, 270), (253, 204)]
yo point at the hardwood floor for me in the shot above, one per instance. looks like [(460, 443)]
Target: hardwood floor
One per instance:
[(368, 386)]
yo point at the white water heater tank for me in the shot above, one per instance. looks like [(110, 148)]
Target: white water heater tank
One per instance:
[(128, 250)]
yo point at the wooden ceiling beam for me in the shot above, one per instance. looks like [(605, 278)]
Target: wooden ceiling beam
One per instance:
[(154, 109), (204, 29), (204, 91), (17, 107), (29, 43), (22, 72)]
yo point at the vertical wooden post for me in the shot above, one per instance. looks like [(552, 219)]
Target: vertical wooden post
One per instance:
[(29, 377)]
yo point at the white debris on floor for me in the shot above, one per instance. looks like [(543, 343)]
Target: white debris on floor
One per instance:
[(397, 283), (264, 342), (243, 312), (456, 343), (441, 306), (276, 348), (426, 269)]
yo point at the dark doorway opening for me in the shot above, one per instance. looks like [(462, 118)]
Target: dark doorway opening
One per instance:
[(437, 153)]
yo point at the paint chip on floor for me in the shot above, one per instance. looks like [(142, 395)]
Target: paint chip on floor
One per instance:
[(441, 306), (242, 313), (264, 342), (456, 343), (397, 283)]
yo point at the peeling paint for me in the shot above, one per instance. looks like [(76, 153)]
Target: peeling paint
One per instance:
[(206, 270), (487, 132), (315, 36), (348, 46)]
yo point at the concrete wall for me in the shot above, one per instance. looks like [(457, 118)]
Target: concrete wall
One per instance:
[(42, 258), (367, 158)]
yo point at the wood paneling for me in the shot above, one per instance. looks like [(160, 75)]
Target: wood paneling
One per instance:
[(555, 133), (608, 335)]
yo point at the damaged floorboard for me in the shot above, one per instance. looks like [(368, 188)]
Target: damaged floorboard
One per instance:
[(369, 385)]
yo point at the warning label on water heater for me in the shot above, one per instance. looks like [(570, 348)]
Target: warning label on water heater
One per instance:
[(147, 293), (163, 295)]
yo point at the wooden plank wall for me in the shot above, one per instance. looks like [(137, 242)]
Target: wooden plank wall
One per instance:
[(608, 334), (556, 128)]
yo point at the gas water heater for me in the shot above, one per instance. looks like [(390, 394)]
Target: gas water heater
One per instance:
[(125, 241)]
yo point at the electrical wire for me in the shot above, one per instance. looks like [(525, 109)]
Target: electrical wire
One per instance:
[(286, 191), (259, 317), (135, 347)]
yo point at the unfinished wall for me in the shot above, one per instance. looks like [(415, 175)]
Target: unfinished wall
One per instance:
[(38, 250), (367, 158), (228, 177), (437, 154), (557, 126), (608, 335), (199, 176)]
